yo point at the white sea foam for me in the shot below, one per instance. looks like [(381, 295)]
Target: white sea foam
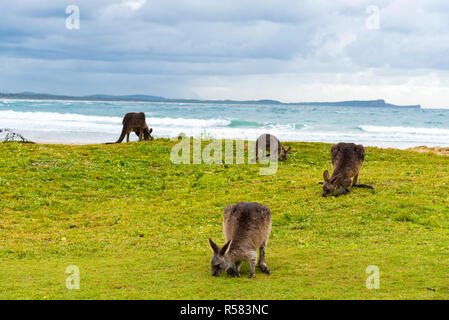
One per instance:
[(81, 128), (11, 115), (406, 130), (66, 119), (188, 123)]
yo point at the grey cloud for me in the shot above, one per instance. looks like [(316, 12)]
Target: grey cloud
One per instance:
[(174, 42)]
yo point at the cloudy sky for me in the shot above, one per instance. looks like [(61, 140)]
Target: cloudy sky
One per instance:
[(289, 50)]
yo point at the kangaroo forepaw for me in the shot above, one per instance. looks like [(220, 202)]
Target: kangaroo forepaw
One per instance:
[(342, 191), (230, 271)]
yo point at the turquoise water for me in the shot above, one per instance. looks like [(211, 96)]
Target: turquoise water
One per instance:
[(96, 122)]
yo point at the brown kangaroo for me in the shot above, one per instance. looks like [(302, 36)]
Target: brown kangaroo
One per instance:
[(266, 139), (135, 122), (347, 159), (246, 226)]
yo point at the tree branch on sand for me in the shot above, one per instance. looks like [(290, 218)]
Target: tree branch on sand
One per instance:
[(11, 136)]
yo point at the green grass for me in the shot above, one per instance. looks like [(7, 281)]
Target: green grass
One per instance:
[(137, 225)]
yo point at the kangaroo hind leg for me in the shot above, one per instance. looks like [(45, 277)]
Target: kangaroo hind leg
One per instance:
[(262, 263)]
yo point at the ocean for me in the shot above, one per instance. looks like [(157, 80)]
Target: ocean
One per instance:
[(78, 122)]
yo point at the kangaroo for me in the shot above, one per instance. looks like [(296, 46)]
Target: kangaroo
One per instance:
[(135, 122), (266, 139), (246, 226), (347, 159)]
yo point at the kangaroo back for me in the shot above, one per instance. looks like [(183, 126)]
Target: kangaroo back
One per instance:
[(133, 121), (269, 141), (247, 224), (347, 159), (266, 139)]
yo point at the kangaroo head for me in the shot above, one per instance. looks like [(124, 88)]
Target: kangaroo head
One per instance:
[(328, 186), (219, 262), (147, 134), (284, 152)]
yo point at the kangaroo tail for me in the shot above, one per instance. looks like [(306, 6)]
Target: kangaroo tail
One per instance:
[(122, 136), (364, 186)]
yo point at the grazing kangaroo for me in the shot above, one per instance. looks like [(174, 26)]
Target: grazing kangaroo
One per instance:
[(266, 139), (246, 226), (135, 122), (347, 159)]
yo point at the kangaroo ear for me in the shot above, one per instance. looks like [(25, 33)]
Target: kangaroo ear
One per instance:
[(213, 245), (226, 248), (151, 130), (289, 148), (326, 175)]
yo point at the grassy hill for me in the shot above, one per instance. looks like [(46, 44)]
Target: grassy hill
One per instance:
[(137, 225)]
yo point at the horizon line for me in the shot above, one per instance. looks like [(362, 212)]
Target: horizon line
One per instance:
[(153, 98)]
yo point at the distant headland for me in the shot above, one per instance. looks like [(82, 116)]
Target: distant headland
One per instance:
[(379, 103)]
